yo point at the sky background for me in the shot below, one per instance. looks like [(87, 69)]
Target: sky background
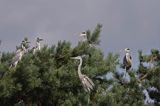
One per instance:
[(134, 24)]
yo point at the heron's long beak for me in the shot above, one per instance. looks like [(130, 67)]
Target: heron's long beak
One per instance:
[(38, 39), (83, 34)]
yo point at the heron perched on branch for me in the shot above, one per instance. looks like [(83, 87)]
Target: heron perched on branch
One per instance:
[(87, 83), (38, 45), (19, 54), (127, 60), (84, 36), (17, 57)]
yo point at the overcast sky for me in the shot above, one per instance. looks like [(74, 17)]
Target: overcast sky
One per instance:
[(134, 24)]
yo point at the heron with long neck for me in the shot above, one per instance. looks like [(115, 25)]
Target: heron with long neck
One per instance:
[(38, 45), (19, 54), (127, 60), (87, 83)]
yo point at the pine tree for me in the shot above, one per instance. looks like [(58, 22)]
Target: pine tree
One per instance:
[(49, 77)]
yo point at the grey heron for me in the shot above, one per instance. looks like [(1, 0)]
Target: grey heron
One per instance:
[(87, 83), (84, 38), (127, 60), (38, 45), (83, 35), (24, 45), (18, 56)]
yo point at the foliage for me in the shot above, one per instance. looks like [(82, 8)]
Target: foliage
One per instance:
[(50, 77)]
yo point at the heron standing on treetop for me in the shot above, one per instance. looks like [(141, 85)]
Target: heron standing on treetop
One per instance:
[(87, 83), (19, 53), (84, 36), (127, 60), (38, 45)]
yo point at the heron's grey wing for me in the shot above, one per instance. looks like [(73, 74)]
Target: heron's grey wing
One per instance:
[(18, 51), (16, 58), (124, 60), (89, 83), (130, 57), (84, 85)]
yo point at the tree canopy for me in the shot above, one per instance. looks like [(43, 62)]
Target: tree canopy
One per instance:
[(50, 76)]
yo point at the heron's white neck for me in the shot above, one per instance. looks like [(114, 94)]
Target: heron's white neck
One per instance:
[(21, 54), (38, 45), (127, 53), (84, 38), (128, 57), (79, 67), (23, 48)]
